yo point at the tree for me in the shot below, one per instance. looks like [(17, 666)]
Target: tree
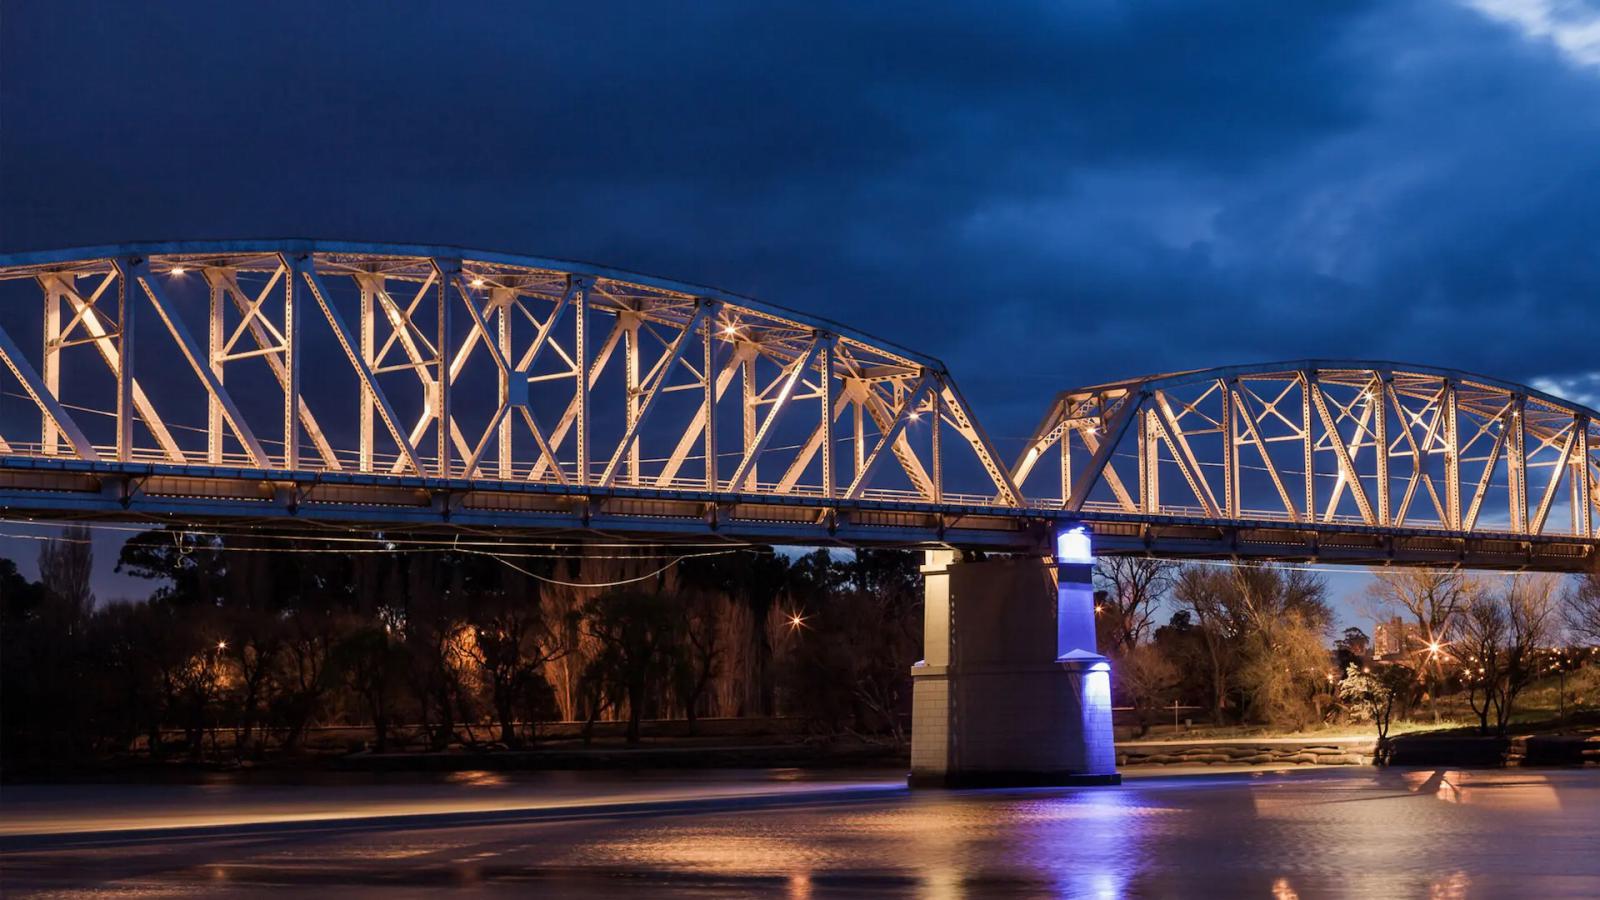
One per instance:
[(640, 636), (1352, 647), (1431, 598), (1480, 635), (1581, 608), (1499, 638), (1371, 697), (1262, 629), (1135, 587), (1149, 679), (1202, 591), (1531, 617), (703, 649)]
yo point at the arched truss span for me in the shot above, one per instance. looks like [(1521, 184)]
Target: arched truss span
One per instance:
[(406, 383), (1327, 446)]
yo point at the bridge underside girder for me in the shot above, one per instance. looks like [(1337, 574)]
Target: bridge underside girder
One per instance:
[(63, 489), (1340, 545), (70, 489)]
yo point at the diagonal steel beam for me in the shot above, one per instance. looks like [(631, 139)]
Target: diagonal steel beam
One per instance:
[(1248, 416), (558, 434), (46, 401), (1562, 464), (814, 442), (1188, 464), (887, 438), (883, 419), (104, 342), (139, 273), (1343, 454), (789, 379), (646, 404), (697, 426), (1100, 456), (225, 279), (1483, 481), (967, 426), (363, 371)]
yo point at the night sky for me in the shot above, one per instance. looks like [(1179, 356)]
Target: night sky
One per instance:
[(1043, 196)]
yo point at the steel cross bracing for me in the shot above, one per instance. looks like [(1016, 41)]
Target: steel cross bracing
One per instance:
[(1368, 461), (418, 385), (426, 386)]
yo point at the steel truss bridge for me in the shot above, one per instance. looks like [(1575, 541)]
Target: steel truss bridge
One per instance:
[(429, 387)]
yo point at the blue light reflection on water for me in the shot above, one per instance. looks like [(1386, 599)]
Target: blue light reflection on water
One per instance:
[(1331, 832)]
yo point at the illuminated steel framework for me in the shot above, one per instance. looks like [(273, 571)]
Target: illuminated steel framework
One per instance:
[(1355, 457), (421, 384), (427, 386)]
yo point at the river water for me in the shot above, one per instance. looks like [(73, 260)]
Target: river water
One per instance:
[(1336, 832)]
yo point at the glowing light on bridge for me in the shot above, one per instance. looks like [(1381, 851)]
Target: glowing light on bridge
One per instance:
[(1074, 546)]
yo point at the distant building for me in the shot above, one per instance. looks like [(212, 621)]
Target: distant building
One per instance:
[(1393, 640)]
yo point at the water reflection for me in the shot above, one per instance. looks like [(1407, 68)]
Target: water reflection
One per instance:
[(1430, 833)]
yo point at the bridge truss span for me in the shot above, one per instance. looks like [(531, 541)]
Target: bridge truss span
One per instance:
[(426, 384), (1336, 457)]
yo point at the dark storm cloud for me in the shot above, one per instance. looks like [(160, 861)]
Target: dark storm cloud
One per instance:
[(1043, 195)]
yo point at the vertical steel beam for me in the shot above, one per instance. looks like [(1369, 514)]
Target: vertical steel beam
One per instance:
[(825, 408), (580, 376), (1230, 454), (1582, 483), (1066, 466), (936, 449), (449, 271), (293, 323), (1148, 503), (1452, 458), (748, 378), (859, 443), (630, 378), (1309, 447), (216, 336), (1375, 402), (713, 391), (126, 330), (1517, 468), (503, 300), (368, 352), (49, 434)]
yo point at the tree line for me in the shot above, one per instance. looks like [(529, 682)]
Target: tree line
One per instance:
[(1249, 643), (263, 638), (432, 644)]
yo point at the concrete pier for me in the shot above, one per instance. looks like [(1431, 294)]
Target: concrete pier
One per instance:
[(1011, 690)]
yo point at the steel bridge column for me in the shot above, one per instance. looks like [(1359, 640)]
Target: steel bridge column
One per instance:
[(1011, 690), (50, 369)]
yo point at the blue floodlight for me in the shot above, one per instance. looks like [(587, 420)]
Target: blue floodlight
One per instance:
[(1073, 546)]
